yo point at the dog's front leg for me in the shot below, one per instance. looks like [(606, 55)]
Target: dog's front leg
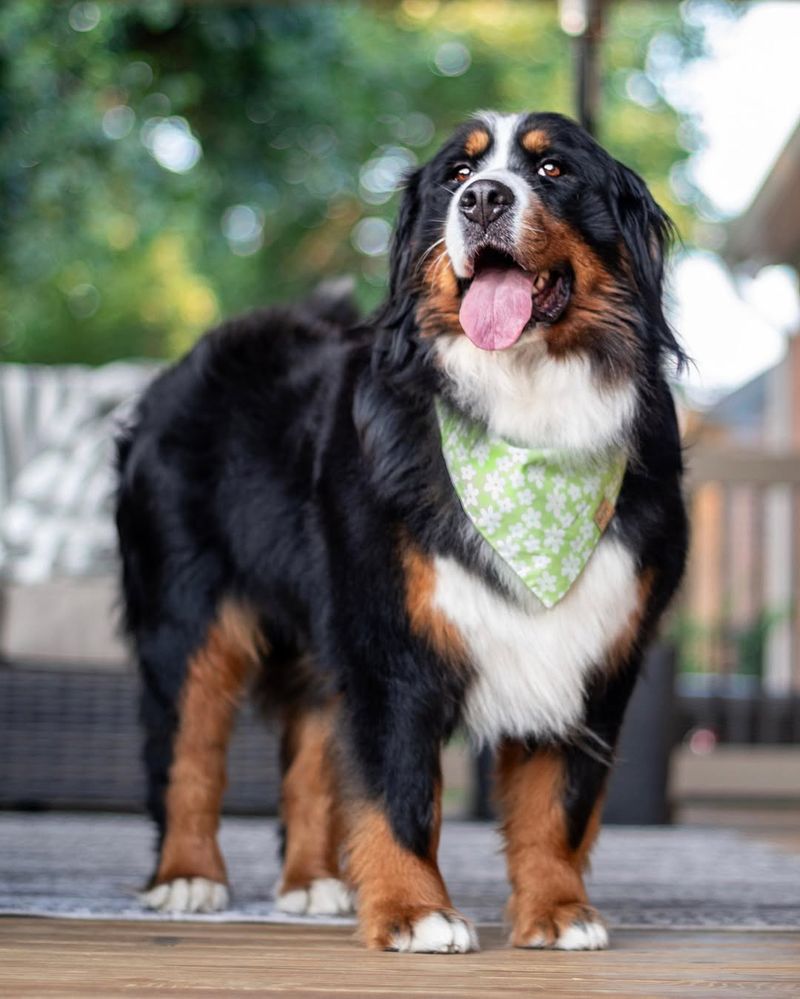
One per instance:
[(551, 799), (394, 825), (551, 815)]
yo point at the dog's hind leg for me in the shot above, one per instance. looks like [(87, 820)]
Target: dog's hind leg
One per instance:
[(191, 876), (310, 811)]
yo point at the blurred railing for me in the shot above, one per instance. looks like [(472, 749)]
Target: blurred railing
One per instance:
[(737, 628)]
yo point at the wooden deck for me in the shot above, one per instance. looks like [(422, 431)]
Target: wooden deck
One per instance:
[(54, 958)]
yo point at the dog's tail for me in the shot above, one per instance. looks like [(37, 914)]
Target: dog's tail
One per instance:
[(333, 301)]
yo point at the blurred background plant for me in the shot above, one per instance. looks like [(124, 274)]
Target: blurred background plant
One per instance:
[(722, 648), (163, 164)]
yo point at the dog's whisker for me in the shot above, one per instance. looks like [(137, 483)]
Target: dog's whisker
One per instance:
[(431, 248), (440, 262)]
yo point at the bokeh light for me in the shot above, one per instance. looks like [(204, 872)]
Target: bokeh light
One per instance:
[(452, 59), (84, 16), (371, 236), (171, 143)]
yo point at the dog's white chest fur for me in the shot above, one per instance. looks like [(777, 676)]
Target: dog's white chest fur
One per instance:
[(531, 665)]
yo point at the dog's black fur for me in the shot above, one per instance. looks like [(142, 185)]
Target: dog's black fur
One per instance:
[(292, 458)]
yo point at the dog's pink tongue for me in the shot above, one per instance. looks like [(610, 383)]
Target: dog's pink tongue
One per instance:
[(497, 307)]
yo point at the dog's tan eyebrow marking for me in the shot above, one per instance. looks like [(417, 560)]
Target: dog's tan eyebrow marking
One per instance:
[(477, 142), (535, 141)]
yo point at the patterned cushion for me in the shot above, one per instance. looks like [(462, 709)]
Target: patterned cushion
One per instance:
[(57, 427)]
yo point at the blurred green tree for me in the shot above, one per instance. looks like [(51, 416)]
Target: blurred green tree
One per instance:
[(165, 163)]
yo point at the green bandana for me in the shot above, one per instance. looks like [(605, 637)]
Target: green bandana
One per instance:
[(542, 514)]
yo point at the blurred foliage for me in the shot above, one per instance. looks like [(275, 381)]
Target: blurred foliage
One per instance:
[(164, 163), (720, 647)]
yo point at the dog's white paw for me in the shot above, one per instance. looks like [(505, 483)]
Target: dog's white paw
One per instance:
[(323, 897), (186, 895), (579, 935), (436, 933), (590, 935)]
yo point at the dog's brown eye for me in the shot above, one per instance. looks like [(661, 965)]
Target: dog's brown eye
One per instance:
[(461, 173), (550, 169)]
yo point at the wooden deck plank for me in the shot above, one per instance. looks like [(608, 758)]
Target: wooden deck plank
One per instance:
[(65, 958)]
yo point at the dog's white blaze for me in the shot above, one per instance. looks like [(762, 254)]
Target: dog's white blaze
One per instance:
[(494, 166), (502, 128), (537, 400), (532, 664)]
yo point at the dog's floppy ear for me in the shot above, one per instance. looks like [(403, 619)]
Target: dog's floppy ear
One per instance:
[(402, 253), (647, 233), (645, 229), (394, 345)]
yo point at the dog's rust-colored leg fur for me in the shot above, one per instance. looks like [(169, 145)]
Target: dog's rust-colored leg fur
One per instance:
[(215, 681), (396, 888), (309, 801), (546, 873)]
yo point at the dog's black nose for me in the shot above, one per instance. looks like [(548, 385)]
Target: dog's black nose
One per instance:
[(484, 201)]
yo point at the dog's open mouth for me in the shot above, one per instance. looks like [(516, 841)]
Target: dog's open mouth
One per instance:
[(503, 298)]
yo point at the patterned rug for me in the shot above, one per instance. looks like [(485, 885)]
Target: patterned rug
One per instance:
[(90, 866)]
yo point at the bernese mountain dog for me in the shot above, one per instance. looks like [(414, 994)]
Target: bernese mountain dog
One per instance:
[(465, 510)]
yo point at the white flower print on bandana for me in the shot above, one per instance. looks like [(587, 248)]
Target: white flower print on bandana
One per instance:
[(542, 514)]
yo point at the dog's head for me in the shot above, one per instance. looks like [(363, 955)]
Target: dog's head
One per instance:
[(522, 227)]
